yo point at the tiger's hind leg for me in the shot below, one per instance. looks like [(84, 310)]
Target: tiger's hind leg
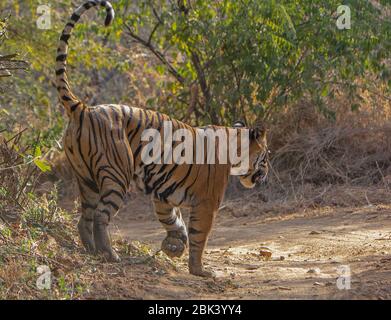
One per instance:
[(176, 241), (89, 202), (111, 198), (114, 177)]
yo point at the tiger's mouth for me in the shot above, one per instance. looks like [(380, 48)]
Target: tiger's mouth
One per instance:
[(251, 179), (258, 177)]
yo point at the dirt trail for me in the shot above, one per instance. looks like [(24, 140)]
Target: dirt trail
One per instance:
[(308, 249)]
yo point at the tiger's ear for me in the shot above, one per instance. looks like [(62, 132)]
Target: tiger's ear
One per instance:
[(258, 131), (239, 124)]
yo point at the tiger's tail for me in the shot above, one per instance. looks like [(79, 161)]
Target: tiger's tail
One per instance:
[(68, 99)]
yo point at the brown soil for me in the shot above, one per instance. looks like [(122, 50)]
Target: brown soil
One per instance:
[(308, 246)]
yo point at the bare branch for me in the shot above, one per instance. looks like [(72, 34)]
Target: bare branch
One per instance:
[(201, 79), (157, 53), (153, 32), (158, 18)]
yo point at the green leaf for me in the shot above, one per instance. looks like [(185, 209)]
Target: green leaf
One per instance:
[(43, 165), (160, 69), (37, 152), (325, 91)]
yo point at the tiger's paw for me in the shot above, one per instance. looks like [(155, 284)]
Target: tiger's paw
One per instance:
[(109, 256), (201, 272), (173, 247)]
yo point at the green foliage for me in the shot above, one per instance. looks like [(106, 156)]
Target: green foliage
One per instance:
[(30, 99), (41, 163), (258, 56)]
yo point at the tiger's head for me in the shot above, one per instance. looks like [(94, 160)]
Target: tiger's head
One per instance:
[(258, 156)]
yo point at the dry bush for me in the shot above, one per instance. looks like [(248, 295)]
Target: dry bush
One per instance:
[(61, 175), (336, 154), (17, 179), (319, 162), (354, 149)]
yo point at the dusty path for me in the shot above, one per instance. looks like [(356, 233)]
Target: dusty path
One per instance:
[(308, 249)]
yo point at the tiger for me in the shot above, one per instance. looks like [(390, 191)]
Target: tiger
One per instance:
[(103, 146)]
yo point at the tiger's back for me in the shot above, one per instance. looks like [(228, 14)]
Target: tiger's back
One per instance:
[(95, 133)]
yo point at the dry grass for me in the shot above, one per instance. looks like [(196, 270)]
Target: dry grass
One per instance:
[(337, 154)]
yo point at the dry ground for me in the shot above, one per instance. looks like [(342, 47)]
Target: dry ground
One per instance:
[(308, 246)]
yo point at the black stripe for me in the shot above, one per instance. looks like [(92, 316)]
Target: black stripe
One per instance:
[(60, 71), (130, 117), (194, 231), (109, 17), (80, 129), (66, 98), (164, 166), (109, 193), (73, 108), (194, 218), (87, 182), (171, 189), (186, 176), (148, 173), (110, 203), (86, 206), (158, 184), (147, 123), (112, 178), (137, 151), (167, 192), (189, 187), (90, 184), (107, 212), (194, 243), (101, 168), (169, 221), (160, 120), (149, 189), (75, 17), (88, 5), (61, 57), (134, 133), (115, 154), (65, 37)]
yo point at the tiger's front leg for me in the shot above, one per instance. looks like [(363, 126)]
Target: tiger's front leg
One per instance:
[(176, 241), (200, 224)]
